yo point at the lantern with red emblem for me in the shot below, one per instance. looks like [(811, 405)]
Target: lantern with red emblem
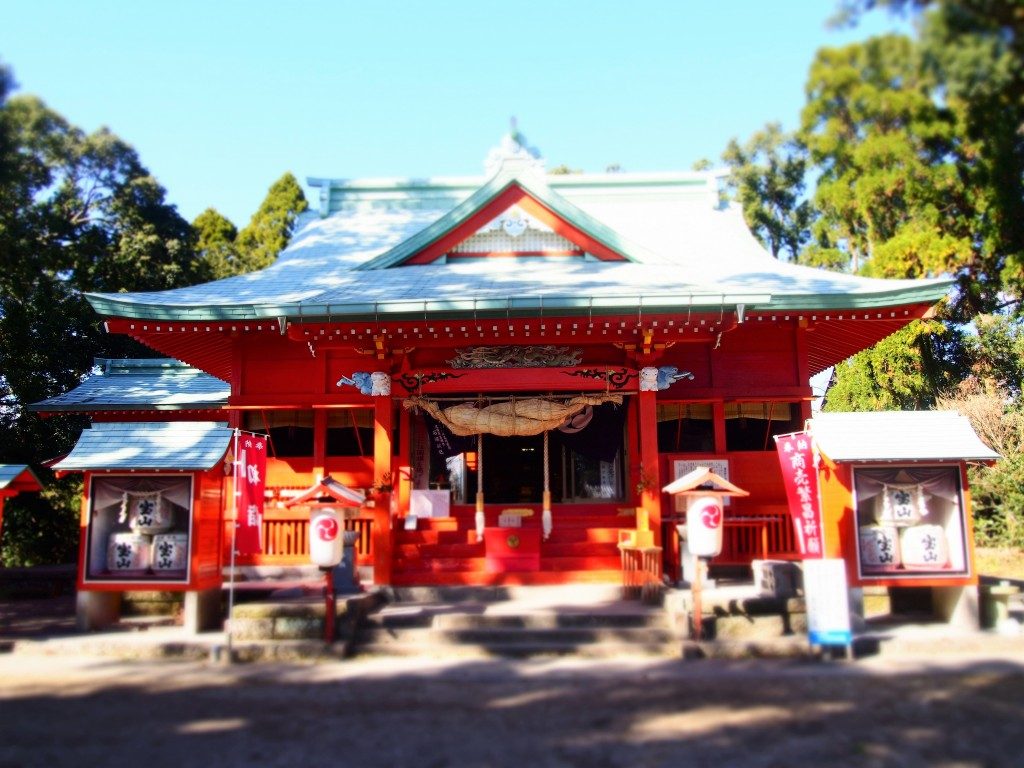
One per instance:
[(704, 492), (325, 537)]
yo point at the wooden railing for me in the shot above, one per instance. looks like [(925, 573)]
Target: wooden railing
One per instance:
[(757, 537), (744, 538), (286, 539)]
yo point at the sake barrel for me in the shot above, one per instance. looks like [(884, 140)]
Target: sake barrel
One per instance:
[(149, 513), (924, 547), (170, 552), (879, 547), (901, 506), (128, 552)]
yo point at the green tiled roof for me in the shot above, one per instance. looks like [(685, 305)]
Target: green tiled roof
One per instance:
[(176, 445), (140, 384), (684, 249)]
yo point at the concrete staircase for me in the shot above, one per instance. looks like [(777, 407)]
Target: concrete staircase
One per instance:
[(589, 621)]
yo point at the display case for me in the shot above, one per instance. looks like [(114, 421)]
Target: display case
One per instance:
[(910, 522), (139, 529)]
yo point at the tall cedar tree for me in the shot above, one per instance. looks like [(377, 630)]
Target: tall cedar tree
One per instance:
[(268, 231), (216, 243), (767, 178)]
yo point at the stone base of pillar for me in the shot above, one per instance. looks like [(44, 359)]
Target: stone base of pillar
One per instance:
[(202, 611), (957, 605), (97, 610)]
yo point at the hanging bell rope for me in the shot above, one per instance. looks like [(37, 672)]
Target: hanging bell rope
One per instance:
[(546, 522), (479, 519)]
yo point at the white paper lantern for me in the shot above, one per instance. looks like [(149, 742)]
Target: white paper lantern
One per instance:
[(325, 538), (704, 517), (128, 552), (170, 552)]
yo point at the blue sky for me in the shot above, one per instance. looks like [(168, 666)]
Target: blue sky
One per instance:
[(222, 97)]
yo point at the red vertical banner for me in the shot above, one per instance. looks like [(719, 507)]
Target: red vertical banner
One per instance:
[(800, 475), (250, 479)]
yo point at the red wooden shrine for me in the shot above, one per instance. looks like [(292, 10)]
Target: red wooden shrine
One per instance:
[(519, 287)]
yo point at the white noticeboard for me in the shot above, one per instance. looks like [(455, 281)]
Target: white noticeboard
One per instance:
[(429, 503), (828, 602), (682, 467)]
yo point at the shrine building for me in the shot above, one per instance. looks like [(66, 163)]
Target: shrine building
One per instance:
[(522, 349)]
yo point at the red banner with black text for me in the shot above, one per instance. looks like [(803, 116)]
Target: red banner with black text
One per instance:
[(800, 476), (250, 480)]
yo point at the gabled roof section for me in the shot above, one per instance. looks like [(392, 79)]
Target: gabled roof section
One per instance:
[(527, 189), (18, 478), (899, 436), (703, 480), (161, 384), (331, 488), (173, 445), (671, 244)]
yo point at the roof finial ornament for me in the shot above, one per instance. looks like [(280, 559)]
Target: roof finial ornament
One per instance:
[(513, 153)]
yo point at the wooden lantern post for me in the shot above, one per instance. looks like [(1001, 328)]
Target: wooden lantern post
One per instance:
[(705, 492)]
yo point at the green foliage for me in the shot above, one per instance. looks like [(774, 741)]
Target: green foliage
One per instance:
[(216, 243), (997, 496), (271, 226), (904, 371), (42, 528), (889, 191), (996, 355), (767, 178), (997, 492), (78, 212), (968, 60)]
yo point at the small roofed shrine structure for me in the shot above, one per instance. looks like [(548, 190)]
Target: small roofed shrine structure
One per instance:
[(15, 479), (896, 504), (520, 350)]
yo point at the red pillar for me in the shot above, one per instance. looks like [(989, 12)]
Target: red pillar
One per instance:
[(382, 474), (649, 460)]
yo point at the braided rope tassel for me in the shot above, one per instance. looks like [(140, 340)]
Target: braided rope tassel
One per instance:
[(546, 522), (479, 518)]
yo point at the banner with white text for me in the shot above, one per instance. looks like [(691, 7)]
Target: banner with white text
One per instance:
[(250, 480), (800, 475)]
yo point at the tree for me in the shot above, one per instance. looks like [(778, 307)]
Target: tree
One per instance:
[(905, 371), (270, 228), (997, 492), (889, 192), (767, 178), (973, 50), (216, 243), (78, 212)]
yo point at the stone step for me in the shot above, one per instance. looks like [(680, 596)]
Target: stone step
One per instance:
[(482, 578), (595, 642), (441, 564), (473, 617), (571, 594), (524, 650)]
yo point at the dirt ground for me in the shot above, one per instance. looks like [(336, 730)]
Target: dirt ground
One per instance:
[(946, 703), (433, 714)]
